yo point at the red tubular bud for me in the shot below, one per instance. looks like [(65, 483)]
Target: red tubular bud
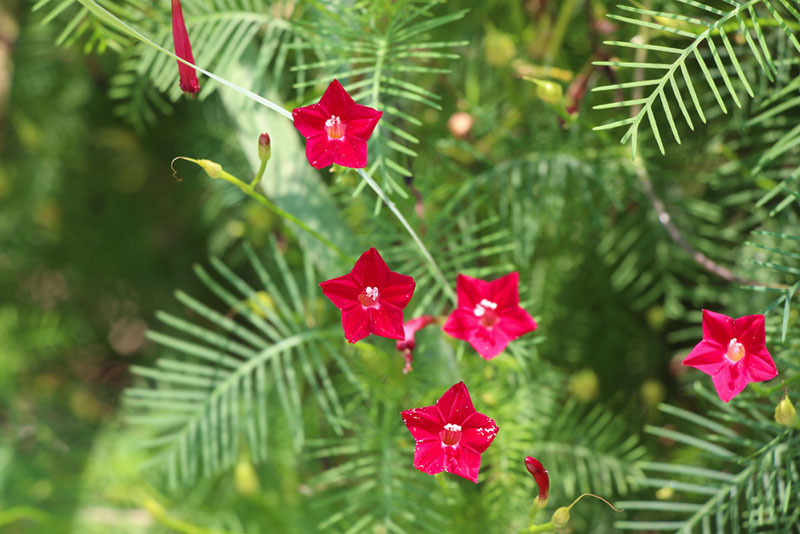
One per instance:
[(183, 49), (264, 148), (539, 473)]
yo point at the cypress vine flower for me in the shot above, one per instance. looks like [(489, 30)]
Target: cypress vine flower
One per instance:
[(542, 479), (450, 435), (733, 352), (183, 49), (488, 315), (371, 298), (336, 129)]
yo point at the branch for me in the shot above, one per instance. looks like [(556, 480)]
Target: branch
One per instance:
[(676, 235)]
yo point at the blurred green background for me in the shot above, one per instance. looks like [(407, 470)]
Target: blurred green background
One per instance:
[(96, 233)]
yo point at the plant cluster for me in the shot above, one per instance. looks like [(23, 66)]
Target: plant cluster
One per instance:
[(470, 182)]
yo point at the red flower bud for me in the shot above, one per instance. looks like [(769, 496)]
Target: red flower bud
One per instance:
[(406, 346), (539, 473), (264, 149), (183, 49)]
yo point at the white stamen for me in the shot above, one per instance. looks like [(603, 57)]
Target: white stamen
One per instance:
[(372, 292), (333, 121), (452, 428), (488, 304), (480, 309)]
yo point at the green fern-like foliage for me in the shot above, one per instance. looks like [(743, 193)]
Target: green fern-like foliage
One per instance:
[(742, 478), (230, 372), (704, 41), (384, 58)]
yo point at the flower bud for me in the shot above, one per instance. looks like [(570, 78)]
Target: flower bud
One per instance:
[(785, 412), (212, 168), (246, 478), (560, 517), (539, 473), (264, 149)]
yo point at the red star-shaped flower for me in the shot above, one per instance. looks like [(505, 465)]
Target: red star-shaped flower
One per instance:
[(336, 129), (371, 298), (733, 352), (450, 435), (488, 314)]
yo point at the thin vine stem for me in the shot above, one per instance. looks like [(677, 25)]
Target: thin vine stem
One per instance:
[(437, 272), (249, 190), (104, 14)]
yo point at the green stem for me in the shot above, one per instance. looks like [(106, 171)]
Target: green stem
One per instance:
[(103, 14), (259, 175), (560, 30), (435, 270), (250, 191), (267, 203), (19, 513), (544, 527)]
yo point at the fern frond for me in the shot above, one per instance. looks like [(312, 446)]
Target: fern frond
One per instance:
[(739, 480), (777, 254), (371, 483), (375, 64), (81, 27), (232, 367), (710, 31)]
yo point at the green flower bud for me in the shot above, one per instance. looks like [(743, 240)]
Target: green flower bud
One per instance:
[(785, 412), (212, 168), (246, 478), (560, 517)]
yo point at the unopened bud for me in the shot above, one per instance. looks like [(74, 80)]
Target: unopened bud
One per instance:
[(539, 473), (212, 168), (785, 412), (246, 478), (547, 91), (460, 123), (560, 517), (264, 149)]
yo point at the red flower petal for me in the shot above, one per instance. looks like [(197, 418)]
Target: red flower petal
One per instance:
[(470, 290), (463, 462), (729, 381), (370, 269), (398, 289), (460, 324), (489, 342), (455, 405), (320, 152), (760, 366), (505, 291), (310, 120), (478, 432), (424, 423), (361, 121), (717, 328), (342, 291), (350, 152), (335, 100), (707, 357), (515, 322), (429, 457), (356, 324), (750, 332), (387, 321)]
